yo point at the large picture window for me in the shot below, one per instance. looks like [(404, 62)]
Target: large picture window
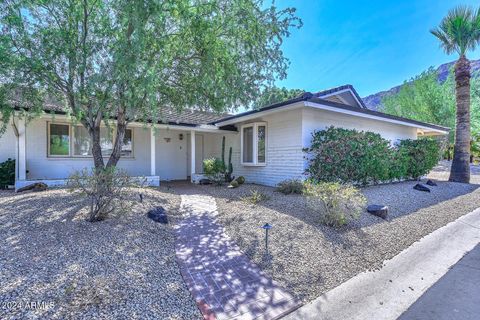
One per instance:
[(66, 140), (253, 144)]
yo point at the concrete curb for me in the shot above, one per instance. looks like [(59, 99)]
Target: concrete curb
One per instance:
[(388, 292)]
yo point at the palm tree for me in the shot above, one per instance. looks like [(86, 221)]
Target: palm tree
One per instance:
[(459, 32)]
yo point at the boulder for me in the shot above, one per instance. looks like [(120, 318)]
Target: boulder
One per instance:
[(158, 215), (421, 187), (37, 186), (431, 183), (378, 210), (204, 181)]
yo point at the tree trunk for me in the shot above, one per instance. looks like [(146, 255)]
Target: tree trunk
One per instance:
[(460, 171), (120, 135), (96, 147)]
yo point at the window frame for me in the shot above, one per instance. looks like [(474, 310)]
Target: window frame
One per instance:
[(255, 126), (71, 135)]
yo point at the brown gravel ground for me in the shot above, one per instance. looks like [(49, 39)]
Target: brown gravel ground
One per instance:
[(120, 268), (309, 258)]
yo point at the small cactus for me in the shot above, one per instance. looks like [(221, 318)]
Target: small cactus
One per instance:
[(230, 166), (223, 149)]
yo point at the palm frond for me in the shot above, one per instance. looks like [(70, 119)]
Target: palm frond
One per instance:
[(459, 31)]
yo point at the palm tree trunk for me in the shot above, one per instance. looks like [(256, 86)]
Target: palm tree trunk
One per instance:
[(460, 171)]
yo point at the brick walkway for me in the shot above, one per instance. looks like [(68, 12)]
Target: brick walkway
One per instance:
[(223, 281)]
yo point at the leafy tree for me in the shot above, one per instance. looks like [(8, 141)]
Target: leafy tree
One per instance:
[(459, 32), (274, 94), (426, 99), (118, 61)]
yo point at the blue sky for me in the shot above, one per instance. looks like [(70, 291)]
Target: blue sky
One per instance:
[(373, 45)]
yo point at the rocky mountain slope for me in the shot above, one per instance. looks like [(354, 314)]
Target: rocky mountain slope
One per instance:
[(374, 101)]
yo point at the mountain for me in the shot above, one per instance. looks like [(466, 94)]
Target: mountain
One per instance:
[(374, 101)]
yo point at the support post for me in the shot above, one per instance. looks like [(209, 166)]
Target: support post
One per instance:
[(153, 168), (22, 150), (192, 154)]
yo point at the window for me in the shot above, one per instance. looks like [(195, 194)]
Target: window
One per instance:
[(254, 141), (64, 137), (59, 141)]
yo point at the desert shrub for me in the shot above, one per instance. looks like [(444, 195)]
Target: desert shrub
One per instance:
[(290, 186), (336, 203), (108, 190), (240, 180), (7, 173), (420, 156), (359, 157), (214, 169), (256, 197)]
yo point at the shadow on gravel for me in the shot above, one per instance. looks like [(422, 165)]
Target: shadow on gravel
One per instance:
[(120, 267)]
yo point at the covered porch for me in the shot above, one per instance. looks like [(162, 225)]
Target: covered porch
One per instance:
[(157, 153), (178, 154)]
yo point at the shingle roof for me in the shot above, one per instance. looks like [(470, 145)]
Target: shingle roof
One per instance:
[(167, 115), (310, 97)]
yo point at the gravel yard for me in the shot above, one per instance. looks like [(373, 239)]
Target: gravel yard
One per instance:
[(308, 258), (123, 267)]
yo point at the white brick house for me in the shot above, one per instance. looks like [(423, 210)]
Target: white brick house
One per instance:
[(267, 143)]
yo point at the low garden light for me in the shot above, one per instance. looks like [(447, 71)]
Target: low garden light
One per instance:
[(267, 227)]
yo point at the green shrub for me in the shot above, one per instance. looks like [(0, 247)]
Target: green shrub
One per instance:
[(213, 166), (240, 180), (256, 197), (234, 184), (7, 173), (290, 186), (359, 157), (420, 155), (214, 169), (336, 203)]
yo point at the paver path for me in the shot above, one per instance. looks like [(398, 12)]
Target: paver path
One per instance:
[(223, 281)]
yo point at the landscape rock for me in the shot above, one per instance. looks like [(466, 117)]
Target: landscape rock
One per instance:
[(158, 215), (378, 210), (431, 183), (421, 187), (37, 186), (205, 181)]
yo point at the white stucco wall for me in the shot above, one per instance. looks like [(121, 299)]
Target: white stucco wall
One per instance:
[(40, 166), (7, 145)]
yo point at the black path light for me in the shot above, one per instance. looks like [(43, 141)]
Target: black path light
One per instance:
[(267, 227)]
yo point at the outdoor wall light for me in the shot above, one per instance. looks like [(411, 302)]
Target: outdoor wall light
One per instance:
[(167, 140), (180, 136), (267, 227)]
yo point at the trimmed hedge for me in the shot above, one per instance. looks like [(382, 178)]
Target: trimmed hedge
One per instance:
[(362, 157)]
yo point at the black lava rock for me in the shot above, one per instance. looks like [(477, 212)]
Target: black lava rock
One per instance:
[(158, 215), (431, 183), (378, 210), (205, 181), (421, 187)]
